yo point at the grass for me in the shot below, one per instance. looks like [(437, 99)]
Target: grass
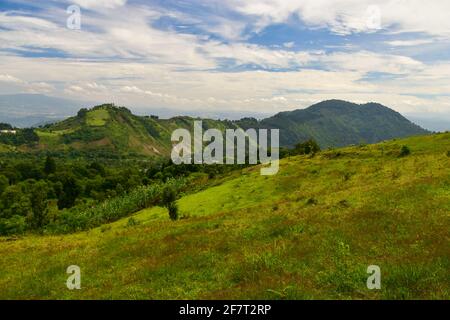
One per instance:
[(309, 232), (6, 148), (97, 118)]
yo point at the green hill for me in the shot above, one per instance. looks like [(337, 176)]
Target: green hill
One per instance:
[(308, 232), (116, 130), (107, 129), (336, 123)]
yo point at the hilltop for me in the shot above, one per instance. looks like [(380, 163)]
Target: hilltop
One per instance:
[(309, 232), (111, 129)]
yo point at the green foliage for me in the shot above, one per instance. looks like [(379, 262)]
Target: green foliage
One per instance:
[(70, 191), (50, 165), (168, 198), (21, 137), (82, 113), (4, 182), (14, 225), (337, 123), (82, 218), (405, 151), (172, 207), (39, 205), (308, 147)]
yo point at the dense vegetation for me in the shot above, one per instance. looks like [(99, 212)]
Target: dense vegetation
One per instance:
[(69, 194), (336, 123), (308, 232)]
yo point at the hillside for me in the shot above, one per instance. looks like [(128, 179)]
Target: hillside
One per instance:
[(336, 123), (116, 130), (308, 232), (107, 129)]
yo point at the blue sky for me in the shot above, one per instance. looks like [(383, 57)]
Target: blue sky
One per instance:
[(244, 56)]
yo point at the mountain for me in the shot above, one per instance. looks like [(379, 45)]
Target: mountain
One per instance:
[(334, 123), (26, 110)]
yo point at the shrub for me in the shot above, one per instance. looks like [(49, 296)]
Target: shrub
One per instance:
[(173, 211), (405, 151), (14, 225), (307, 147), (168, 198)]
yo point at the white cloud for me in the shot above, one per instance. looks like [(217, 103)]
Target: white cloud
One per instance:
[(100, 4), (9, 78), (123, 58), (409, 43), (347, 16), (40, 87)]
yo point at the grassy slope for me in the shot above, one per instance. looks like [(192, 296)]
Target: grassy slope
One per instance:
[(115, 130), (308, 232)]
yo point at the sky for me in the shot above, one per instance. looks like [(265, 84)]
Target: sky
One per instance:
[(244, 56)]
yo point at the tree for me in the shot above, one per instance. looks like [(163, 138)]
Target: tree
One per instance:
[(50, 165), (4, 183), (39, 205), (82, 113), (168, 198), (70, 191), (308, 147)]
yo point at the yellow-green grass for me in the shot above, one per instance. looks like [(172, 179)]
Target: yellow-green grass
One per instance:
[(97, 118), (51, 138), (309, 232), (5, 148)]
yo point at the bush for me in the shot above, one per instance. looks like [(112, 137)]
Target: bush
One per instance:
[(168, 198), (405, 151), (14, 225), (173, 211), (307, 147)]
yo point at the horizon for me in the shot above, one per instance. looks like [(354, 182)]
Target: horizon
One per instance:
[(257, 56), (427, 123)]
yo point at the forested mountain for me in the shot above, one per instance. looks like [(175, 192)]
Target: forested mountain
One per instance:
[(336, 123)]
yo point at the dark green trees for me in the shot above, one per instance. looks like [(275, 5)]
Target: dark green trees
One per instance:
[(4, 182), (70, 192), (49, 166), (39, 205), (307, 147)]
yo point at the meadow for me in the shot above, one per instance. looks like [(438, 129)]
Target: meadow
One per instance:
[(309, 232)]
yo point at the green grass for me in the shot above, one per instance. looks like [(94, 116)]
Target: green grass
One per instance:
[(6, 148), (97, 118), (309, 232)]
